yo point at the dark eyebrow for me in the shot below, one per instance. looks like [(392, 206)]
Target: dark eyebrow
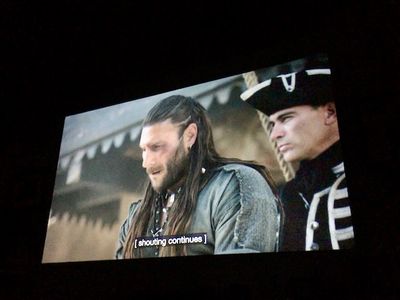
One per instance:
[(141, 146), (157, 143), (285, 115)]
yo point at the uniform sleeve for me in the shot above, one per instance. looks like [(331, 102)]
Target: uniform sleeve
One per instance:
[(123, 232), (247, 217)]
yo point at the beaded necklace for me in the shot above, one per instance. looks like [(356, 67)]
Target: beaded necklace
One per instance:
[(161, 216)]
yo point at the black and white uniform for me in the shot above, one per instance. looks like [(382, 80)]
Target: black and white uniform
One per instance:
[(317, 206)]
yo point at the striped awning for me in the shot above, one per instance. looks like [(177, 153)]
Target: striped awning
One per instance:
[(90, 133)]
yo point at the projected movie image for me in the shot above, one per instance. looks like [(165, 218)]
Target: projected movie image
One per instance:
[(249, 163)]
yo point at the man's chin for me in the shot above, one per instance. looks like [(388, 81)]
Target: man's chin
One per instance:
[(289, 157), (164, 186), (156, 187)]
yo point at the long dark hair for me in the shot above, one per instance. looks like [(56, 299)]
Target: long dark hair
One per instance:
[(183, 111)]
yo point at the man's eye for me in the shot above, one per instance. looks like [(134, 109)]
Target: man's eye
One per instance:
[(286, 118)]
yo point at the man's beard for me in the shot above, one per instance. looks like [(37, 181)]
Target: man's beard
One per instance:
[(177, 168)]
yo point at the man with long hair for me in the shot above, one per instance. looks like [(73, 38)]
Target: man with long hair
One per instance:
[(193, 190)]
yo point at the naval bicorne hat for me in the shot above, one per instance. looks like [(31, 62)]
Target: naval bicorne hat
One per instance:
[(300, 82)]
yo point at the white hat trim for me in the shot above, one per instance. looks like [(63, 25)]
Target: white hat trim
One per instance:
[(251, 91), (319, 72)]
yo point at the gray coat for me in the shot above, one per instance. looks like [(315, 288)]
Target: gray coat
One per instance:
[(236, 212)]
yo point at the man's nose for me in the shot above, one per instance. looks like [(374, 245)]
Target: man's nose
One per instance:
[(147, 159), (277, 132)]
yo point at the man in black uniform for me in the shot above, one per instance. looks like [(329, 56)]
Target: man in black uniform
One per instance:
[(298, 99)]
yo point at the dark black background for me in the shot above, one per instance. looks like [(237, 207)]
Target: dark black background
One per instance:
[(64, 57)]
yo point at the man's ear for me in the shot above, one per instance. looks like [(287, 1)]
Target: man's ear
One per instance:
[(330, 113), (190, 135)]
